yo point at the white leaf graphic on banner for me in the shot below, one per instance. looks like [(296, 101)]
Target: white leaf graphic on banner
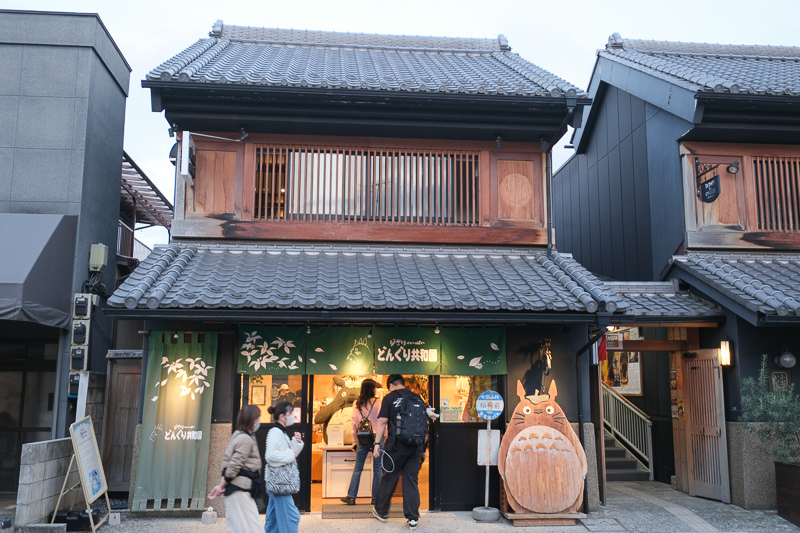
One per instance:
[(312, 360), (460, 357), (475, 362), (319, 350), (494, 347), (332, 366), (154, 398), (300, 358)]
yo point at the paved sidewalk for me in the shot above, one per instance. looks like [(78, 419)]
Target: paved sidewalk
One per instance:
[(632, 506)]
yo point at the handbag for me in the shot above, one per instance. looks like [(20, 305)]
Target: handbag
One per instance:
[(284, 479)]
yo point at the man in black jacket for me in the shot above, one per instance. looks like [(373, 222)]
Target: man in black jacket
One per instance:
[(398, 457)]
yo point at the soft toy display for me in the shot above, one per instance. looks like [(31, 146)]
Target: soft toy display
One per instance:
[(541, 460), (344, 398)]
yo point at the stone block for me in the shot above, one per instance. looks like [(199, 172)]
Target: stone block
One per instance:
[(49, 71), (51, 487), (37, 472), (8, 118), (41, 528), (22, 515), (50, 469), (113, 519), (44, 122), (24, 474), (40, 176), (23, 495)]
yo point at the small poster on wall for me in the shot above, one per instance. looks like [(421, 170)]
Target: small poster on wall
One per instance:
[(622, 370)]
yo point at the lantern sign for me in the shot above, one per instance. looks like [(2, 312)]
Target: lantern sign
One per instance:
[(489, 405), (708, 190)]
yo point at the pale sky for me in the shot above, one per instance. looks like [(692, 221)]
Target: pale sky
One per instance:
[(561, 37)]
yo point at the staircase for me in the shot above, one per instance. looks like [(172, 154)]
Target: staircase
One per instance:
[(620, 467)]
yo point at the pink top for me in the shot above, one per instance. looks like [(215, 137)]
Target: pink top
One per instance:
[(355, 418)]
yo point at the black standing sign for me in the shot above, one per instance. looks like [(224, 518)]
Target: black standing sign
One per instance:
[(707, 190)]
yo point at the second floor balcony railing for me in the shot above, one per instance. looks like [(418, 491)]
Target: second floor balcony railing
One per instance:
[(366, 184)]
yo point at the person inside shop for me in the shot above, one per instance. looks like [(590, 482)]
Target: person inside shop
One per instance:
[(241, 476), (404, 451), (285, 395), (363, 421)]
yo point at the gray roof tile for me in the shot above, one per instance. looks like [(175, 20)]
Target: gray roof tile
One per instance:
[(218, 276), (331, 60), (763, 283), (706, 67)]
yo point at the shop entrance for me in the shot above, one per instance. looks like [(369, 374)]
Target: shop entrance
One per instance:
[(332, 455)]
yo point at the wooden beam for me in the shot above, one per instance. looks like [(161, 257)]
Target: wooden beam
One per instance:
[(653, 346), (671, 324)]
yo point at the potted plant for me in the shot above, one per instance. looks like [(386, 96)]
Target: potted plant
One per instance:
[(772, 412)]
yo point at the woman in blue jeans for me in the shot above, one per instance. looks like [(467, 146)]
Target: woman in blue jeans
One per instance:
[(282, 515), (366, 406)]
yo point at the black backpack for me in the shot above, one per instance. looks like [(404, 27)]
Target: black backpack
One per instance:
[(364, 433), (411, 424)]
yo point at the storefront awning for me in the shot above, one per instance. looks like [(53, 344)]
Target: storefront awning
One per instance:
[(278, 282), (36, 270)]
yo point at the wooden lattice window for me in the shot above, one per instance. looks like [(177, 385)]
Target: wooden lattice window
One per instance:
[(777, 187), (366, 184)]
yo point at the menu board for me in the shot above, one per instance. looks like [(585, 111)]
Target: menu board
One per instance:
[(87, 454)]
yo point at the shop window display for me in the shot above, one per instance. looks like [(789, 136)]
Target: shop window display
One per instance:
[(265, 391), (458, 395)]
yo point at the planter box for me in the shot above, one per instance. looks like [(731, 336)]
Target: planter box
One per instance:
[(787, 486)]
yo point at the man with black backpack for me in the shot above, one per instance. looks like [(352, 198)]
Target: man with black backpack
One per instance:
[(404, 412)]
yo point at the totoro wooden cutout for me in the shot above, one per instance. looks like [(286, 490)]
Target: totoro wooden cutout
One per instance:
[(541, 460)]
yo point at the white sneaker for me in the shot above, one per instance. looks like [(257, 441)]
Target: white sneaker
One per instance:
[(412, 525)]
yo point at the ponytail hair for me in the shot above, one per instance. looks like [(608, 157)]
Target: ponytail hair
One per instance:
[(281, 408)]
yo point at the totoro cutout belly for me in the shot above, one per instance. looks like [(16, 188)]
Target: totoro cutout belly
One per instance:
[(543, 471)]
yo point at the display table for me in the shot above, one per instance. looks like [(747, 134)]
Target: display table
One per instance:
[(338, 463)]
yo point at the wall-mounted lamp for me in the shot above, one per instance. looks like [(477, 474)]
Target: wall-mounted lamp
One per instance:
[(308, 328), (498, 140), (733, 168), (786, 359), (725, 353), (369, 335), (437, 329)]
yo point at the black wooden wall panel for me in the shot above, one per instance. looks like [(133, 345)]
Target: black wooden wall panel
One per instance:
[(606, 236), (615, 215), (595, 263), (641, 206)]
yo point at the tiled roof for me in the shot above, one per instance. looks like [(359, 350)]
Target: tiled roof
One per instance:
[(218, 276), (763, 283), (720, 68), (330, 60), (138, 191), (660, 298)]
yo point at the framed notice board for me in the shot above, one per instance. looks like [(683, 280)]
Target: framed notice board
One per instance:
[(90, 467)]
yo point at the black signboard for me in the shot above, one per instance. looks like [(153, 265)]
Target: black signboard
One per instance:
[(708, 190)]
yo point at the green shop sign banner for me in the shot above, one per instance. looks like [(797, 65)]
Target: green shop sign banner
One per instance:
[(176, 420), (403, 350), (333, 350), (272, 350), (474, 352)]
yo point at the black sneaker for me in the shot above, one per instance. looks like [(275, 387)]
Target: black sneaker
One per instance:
[(347, 500), (412, 525), (379, 517)]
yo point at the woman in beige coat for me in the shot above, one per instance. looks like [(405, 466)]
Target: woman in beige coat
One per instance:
[(241, 467)]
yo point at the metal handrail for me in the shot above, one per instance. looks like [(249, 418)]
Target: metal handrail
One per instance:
[(630, 425)]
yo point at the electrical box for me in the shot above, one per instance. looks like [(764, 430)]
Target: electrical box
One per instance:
[(78, 359), (98, 257), (188, 158), (74, 384), (79, 330), (81, 308)]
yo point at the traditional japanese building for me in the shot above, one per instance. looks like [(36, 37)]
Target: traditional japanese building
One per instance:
[(353, 205), (689, 161)]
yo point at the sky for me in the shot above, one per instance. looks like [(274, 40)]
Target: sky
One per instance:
[(559, 36)]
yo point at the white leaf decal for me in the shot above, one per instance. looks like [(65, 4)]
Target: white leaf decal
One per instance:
[(164, 360), (164, 382), (319, 350), (475, 362), (494, 347), (300, 358), (154, 398), (286, 349), (332, 366), (312, 360), (460, 357), (192, 395)]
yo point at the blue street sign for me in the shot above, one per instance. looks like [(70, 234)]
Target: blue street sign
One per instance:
[(489, 405)]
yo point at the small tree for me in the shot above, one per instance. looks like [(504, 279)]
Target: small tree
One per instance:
[(778, 412)]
